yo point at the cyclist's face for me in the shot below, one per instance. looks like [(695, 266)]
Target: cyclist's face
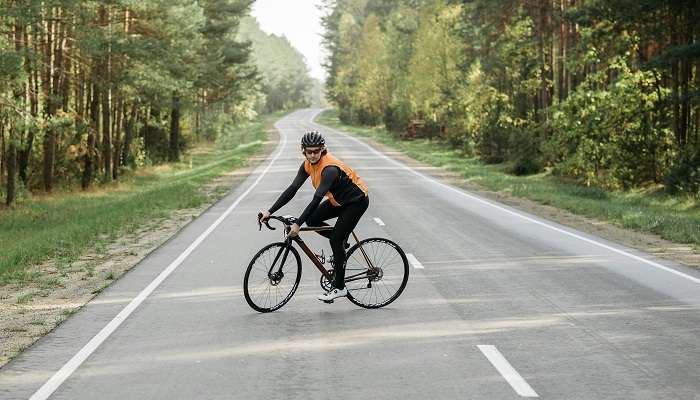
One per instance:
[(313, 154)]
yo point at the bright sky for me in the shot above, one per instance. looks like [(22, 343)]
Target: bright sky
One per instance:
[(300, 22)]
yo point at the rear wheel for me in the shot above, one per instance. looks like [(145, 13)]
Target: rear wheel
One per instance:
[(376, 272), (268, 287)]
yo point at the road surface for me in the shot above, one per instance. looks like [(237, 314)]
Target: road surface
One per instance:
[(499, 305)]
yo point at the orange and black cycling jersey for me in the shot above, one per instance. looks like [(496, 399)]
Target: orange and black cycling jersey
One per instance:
[(331, 178)]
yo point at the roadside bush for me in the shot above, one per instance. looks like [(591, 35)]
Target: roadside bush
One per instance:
[(606, 137), (684, 175), (492, 142), (397, 117), (483, 121), (156, 143), (524, 151)]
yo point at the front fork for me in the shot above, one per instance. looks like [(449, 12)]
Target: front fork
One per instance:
[(276, 276)]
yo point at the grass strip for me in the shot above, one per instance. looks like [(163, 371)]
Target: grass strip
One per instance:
[(64, 225), (674, 218)]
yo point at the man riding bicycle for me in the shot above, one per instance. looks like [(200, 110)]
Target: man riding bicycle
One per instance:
[(347, 199)]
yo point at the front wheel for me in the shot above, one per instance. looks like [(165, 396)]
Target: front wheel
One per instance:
[(376, 272), (272, 277)]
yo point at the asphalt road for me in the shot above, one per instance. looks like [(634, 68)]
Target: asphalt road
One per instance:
[(506, 305)]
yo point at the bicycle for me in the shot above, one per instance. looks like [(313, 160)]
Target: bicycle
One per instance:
[(376, 270)]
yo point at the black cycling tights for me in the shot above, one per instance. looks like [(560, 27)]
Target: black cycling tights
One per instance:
[(348, 216)]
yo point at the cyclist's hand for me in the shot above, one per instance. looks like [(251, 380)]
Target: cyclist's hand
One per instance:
[(262, 218), (294, 230)]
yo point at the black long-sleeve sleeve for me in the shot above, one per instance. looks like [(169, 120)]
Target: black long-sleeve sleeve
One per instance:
[(328, 176), (289, 193)]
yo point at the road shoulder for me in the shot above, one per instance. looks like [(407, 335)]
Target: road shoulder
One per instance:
[(28, 311), (648, 243)]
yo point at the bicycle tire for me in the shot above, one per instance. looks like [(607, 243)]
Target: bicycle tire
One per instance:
[(382, 287), (257, 284)]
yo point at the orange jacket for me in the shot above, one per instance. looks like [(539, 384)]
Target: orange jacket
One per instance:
[(314, 171)]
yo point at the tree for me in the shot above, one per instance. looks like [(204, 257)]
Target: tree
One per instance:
[(284, 76), (371, 93), (510, 80), (87, 79)]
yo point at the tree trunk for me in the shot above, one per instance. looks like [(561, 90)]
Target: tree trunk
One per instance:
[(88, 170), (149, 113), (25, 152), (87, 97), (675, 104), (120, 110), (106, 111), (2, 151), (78, 93), (65, 68), (128, 135), (574, 77), (685, 76), (11, 168), (196, 120), (675, 86), (106, 136), (561, 56), (174, 154), (696, 140), (549, 84), (58, 82), (50, 135), (11, 158)]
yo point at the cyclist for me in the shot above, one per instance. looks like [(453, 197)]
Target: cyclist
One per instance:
[(347, 199)]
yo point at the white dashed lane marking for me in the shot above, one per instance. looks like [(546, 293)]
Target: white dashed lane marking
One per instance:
[(414, 261), (506, 370)]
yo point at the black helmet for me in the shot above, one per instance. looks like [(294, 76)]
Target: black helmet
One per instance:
[(312, 139)]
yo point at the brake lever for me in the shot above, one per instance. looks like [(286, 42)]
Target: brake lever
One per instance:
[(267, 223)]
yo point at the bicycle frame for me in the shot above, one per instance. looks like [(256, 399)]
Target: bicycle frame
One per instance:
[(314, 259)]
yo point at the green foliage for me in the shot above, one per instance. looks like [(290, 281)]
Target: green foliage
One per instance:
[(284, 76), (65, 225), (10, 65), (477, 118), (603, 93), (607, 137), (676, 218), (370, 94), (684, 174), (525, 151), (433, 69), (214, 126), (167, 71)]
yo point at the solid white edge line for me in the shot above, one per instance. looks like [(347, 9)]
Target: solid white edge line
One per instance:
[(507, 371), (622, 252), (379, 221), (69, 367), (414, 261)]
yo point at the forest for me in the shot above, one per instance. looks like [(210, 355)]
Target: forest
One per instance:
[(90, 90), (602, 93)]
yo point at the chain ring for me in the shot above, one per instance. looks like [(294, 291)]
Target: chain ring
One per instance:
[(325, 283)]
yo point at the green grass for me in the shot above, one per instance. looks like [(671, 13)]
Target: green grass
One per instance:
[(63, 226), (675, 218)]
